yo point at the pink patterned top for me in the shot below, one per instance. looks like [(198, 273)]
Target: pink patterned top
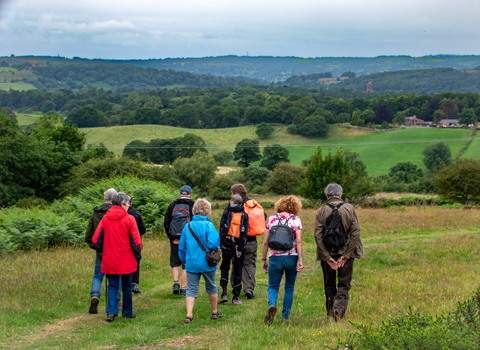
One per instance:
[(294, 222)]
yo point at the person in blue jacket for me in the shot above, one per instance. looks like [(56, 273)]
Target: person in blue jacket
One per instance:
[(195, 259)]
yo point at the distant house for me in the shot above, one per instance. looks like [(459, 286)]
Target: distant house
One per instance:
[(413, 121), (369, 87), (428, 124), (448, 122)]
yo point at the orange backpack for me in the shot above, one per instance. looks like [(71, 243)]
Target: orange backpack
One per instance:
[(235, 224), (256, 217)]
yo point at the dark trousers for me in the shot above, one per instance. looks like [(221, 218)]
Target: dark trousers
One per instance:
[(136, 274), (113, 286), (227, 257), (337, 294)]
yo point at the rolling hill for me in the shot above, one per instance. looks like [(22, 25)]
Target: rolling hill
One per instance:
[(379, 150)]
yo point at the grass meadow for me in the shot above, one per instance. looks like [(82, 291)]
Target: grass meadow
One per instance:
[(473, 151), (26, 119), (17, 86), (427, 259), (379, 150)]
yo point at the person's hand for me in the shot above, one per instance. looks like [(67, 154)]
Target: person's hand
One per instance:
[(239, 255), (299, 265), (265, 266), (341, 261), (176, 241), (332, 263)]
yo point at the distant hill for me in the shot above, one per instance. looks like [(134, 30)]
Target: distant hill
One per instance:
[(277, 69), (428, 81)]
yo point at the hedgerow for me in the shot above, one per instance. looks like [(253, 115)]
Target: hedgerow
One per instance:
[(459, 329), (65, 221)]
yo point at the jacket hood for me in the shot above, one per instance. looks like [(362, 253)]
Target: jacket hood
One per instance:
[(184, 201), (104, 207), (235, 208), (334, 200), (201, 218), (116, 213)]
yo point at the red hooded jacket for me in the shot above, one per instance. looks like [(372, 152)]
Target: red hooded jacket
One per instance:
[(118, 237)]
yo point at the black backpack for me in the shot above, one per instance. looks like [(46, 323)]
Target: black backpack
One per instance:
[(335, 237), (181, 216), (281, 236)]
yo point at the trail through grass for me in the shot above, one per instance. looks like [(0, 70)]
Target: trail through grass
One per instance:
[(424, 258)]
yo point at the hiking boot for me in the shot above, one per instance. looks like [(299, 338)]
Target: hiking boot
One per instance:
[(249, 294), (272, 310), (235, 301), (223, 298), (176, 288), (134, 315), (93, 305), (183, 292), (136, 288), (336, 314), (111, 317)]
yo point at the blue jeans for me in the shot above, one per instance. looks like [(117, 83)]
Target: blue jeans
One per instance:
[(276, 267), (115, 282), (98, 279)]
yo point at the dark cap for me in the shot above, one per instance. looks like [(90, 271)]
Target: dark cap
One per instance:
[(186, 189)]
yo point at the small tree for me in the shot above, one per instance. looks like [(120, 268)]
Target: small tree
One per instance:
[(272, 155), (197, 171), (314, 125), (264, 131), (468, 117), (355, 119), (460, 181), (342, 118), (405, 172), (286, 179), (220, 187), (437, 116), (322, 171), (247, 151), (255, 175), (436, 156)]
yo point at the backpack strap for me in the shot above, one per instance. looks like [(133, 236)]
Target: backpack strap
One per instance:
[(196, 238)]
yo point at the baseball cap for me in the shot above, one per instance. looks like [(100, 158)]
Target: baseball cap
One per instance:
[(185, 188)]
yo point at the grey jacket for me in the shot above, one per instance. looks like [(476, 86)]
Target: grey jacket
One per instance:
[(354, 246)]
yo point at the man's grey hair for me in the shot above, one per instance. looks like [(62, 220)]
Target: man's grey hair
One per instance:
[(333, 190), (120, 199), (130, 200), (109, 194)]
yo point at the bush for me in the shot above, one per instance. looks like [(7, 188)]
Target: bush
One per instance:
[(436, 156), (264, 131), (460, 181), (220, 187), (196, 171), (273, 155), (96, 170), (286, 179), (255, 176), (65, 221), (413, 330)]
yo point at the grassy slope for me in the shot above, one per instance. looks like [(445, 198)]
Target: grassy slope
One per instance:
[(44, 296), (115, 138), (17, 86), (379, 150), (473, 151), (27, 119)]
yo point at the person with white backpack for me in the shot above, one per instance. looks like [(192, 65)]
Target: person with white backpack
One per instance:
[(283, 236)]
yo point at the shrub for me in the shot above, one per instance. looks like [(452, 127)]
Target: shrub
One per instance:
[(286, 179), (64, 222), (405, 172), (273, 155), (196, 171), (255, 176), (96, 170), (264, 131), (436, 156), (460, 181), (220, 187)]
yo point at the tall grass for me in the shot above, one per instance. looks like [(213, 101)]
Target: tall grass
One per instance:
[(425, 259)]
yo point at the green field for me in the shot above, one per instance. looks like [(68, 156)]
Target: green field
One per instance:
[(419, 258), (26, 119), (379, 150), (16, 86), (473, 151)]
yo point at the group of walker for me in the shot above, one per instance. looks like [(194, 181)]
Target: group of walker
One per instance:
[(114, 231)]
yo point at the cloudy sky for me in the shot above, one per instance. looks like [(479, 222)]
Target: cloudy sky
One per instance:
[(126, 29)]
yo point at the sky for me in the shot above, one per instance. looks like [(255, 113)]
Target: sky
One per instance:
[(142, 29)]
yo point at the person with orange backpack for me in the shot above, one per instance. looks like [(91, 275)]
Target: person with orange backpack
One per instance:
[(256, 227), (233, 241)]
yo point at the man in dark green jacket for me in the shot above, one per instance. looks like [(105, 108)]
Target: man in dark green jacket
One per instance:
[(341, 262), (95, 218)]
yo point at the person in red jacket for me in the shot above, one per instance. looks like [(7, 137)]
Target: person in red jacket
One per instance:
[(118, 238)]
